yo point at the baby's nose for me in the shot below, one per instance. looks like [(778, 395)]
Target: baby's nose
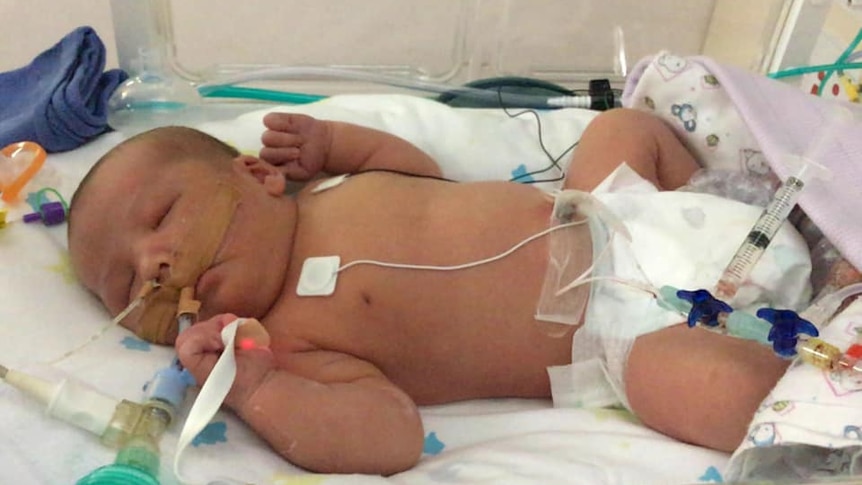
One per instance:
[(154, 269), (153, 258), (163, 274)]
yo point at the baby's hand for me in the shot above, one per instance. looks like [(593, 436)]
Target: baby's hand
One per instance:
[(199, 347), (296, 143)]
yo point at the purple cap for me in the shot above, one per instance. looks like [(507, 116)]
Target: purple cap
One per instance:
[(50, 213), (53, 213), (32, 217)]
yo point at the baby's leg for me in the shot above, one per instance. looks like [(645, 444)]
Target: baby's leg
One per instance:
[(303, 146), (699, 386), (638, 138)]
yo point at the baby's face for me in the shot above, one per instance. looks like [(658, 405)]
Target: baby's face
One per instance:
[(138, 219)]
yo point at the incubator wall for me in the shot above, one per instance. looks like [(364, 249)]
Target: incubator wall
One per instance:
[(451, 41), (328, 47)]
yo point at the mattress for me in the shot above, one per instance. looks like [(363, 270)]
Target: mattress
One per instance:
[(45, 314)]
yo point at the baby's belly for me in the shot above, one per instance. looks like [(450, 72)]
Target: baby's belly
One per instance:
[(466, 332), (449, 336)]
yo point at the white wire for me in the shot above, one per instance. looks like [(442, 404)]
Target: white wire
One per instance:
[(464, 265), (637, 285), (647, 287), (99, 333)]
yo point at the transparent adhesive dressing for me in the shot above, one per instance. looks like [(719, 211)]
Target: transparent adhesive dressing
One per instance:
[(570, 259)]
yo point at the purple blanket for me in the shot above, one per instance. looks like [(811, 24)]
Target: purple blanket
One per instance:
[(786, 121)]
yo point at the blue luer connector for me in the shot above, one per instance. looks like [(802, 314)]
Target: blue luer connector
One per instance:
[(169, 385), (786, 327), (705, 308)]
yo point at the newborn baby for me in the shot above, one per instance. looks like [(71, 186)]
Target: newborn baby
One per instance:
[(351, 357)]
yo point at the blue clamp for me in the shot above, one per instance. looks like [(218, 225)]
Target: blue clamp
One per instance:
[(786, 327), (705, 308)]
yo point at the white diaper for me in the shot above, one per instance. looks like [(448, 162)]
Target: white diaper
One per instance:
[(681, 239)]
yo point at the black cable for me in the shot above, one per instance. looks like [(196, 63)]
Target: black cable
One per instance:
[(514, 88), (500, 83), (403, 172), (555, 161)]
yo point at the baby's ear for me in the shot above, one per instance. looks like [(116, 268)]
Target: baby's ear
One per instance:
[(271, 178)]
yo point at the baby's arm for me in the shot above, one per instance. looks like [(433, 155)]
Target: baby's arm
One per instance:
[(324, 411), (304, 146)]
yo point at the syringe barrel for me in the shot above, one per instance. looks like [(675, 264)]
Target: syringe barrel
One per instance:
[(778, 209), (759, 237)]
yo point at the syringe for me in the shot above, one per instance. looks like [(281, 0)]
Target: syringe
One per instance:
[(769, 222), (759, 237)]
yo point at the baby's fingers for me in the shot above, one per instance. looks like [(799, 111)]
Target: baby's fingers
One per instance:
[(280, 148), (199, 347), (287, 163)]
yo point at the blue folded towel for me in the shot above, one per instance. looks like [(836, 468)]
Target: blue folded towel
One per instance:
[(60, 99)]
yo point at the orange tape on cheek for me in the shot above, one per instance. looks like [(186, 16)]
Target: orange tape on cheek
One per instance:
[(197, 250), (195, 253)]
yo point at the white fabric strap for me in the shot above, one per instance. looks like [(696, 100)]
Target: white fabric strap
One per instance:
[(211, 396)]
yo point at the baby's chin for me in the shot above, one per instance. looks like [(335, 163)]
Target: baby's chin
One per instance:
[(223, 289)]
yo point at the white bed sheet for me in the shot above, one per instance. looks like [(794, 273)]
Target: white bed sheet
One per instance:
[(45, 313)]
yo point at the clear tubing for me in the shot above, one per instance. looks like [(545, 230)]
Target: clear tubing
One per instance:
[(241, 92), (844, 293), (825, 307), (305, 72), (145, 291), (798, 71), (184, 321)]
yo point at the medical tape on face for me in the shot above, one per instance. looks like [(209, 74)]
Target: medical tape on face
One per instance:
[(195, 253)]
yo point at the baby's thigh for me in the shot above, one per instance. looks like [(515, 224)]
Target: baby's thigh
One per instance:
[(637, 138), (699, 386)]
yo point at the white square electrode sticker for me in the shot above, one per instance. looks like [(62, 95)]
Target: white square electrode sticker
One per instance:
[(318, 276)]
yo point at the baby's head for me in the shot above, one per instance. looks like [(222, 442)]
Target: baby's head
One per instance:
[(182, 208)]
